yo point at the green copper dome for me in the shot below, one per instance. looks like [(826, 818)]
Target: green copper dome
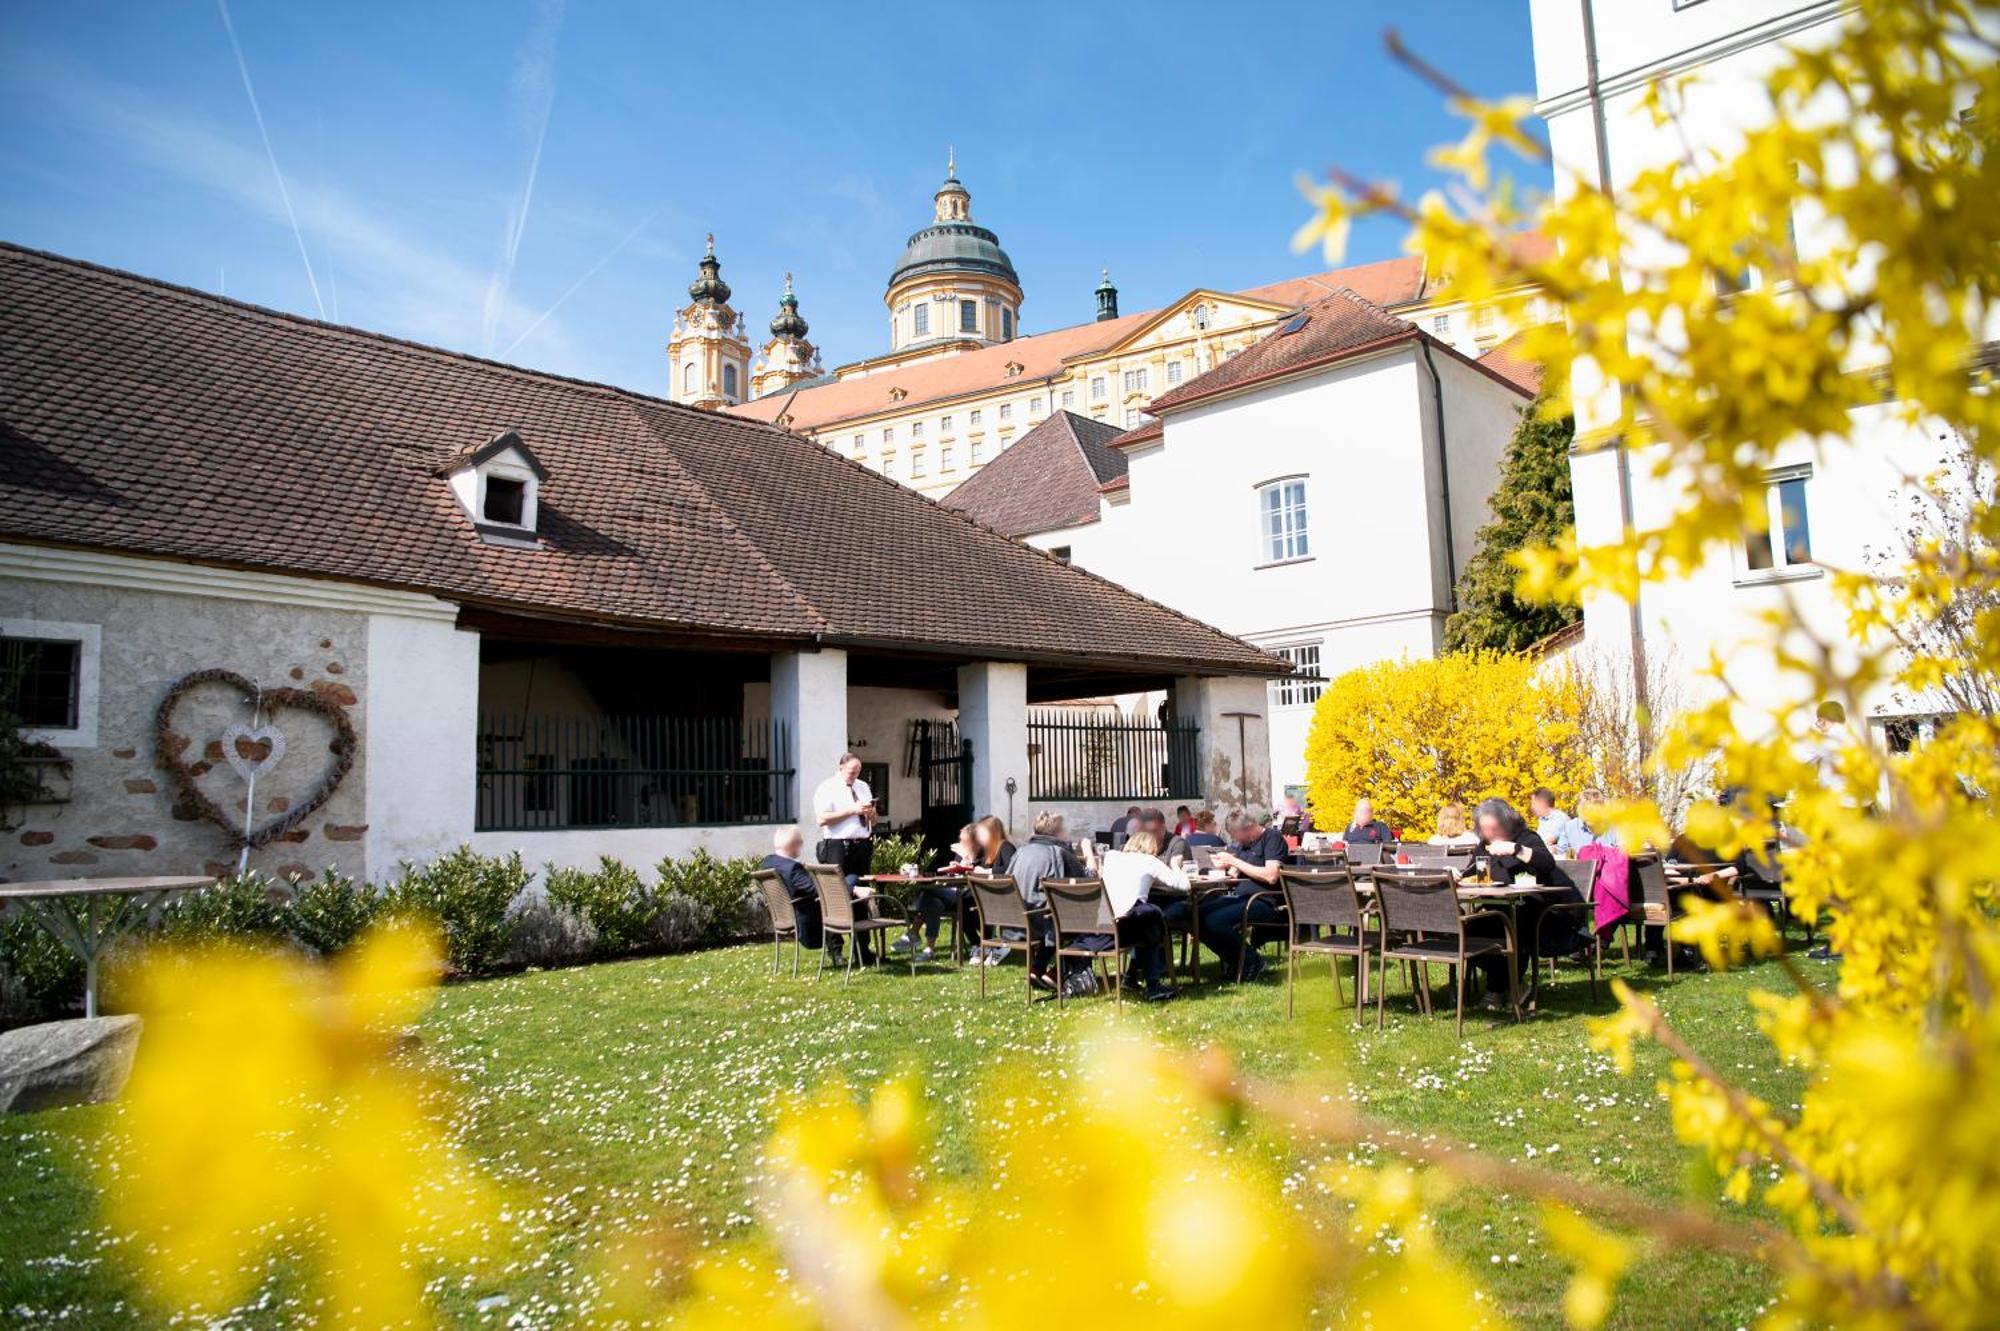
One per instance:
[(954, 247), (789, 322), (710, 286)]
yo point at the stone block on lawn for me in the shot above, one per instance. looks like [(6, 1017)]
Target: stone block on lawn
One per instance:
[(60, 1063)]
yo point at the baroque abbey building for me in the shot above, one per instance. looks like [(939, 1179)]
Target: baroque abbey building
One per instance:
[(961, 380)]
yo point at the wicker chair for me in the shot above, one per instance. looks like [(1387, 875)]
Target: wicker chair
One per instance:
[(1582, 875), (1079, 909), (1326, 899), (1421, 910), (838, 918), (1002, 907), (784, 919)]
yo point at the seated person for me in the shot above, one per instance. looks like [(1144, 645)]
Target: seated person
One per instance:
[(1253, 858), (1173, 849), (1516, 853), (1183, 821), (1129, 875), (1046, 855), (996, 852), (965, 851), (1561, 833), (1366, 829), (1294, 819), (786, 846), (1451, 828), (1204, 831)]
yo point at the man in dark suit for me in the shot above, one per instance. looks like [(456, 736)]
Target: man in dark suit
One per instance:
[(786, 844)]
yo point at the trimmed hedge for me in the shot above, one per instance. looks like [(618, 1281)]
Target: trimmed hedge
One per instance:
[(480, 904)]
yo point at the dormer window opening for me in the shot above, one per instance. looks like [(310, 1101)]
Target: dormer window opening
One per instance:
[(506, 500)]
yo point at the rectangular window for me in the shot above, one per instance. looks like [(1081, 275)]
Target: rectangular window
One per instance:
[(1068, 399), (1787, 541), (1135, 380), (974, 416), (921, 318), (1034, 406), (1441, 324), (1060, 552), (978, 451), (1131, 417), (1006, 411), (1173, 371), (916, 429), (1292, 691), (968, 316), (1097, 389), (946, 457), (41, 681), (506, 500), (860, 442), (917, 462), (889, 465), (1006, 324), (1281, 508), (944, 425), (888, 434)]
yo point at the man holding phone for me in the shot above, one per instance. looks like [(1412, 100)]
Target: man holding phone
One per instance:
[(844, 810)]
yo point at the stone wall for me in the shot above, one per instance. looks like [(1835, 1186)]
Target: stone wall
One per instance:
[(123, 817)]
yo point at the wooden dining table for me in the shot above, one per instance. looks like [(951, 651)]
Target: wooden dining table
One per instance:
[(904, 887)]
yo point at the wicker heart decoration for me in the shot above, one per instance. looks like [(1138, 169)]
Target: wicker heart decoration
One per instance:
[(252, 751)]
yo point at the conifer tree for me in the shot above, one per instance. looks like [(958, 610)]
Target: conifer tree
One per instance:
[(1531, 508)]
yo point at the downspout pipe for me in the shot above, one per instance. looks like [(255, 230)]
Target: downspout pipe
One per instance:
[(1444, 477), (1635, 623)]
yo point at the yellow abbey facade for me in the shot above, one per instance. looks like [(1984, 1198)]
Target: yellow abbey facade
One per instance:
[(961, 382)]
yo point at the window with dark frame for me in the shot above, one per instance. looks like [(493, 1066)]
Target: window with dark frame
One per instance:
[(41, 681), (1787, 541), (968, 316), (506, 500)]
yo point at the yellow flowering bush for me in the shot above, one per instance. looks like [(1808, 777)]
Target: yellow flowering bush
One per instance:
[(1415, 735)]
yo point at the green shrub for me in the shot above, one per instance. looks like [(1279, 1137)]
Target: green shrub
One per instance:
[(893, 852), (619, 906), (469, 898), (716, 894), (245, 906), (330, 911), (38, 975), (547, 935)]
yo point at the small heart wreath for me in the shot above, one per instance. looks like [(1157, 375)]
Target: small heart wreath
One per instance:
[(171, 757)]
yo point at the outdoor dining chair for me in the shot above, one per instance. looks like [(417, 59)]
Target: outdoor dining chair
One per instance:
[(1426, 856), (1421, 922), (838, 918), (784, 919), (1653, 900), (1002, 908), (1764, 883), (1365, 853), (1582, 914), (1325, 899), (1084, 927)]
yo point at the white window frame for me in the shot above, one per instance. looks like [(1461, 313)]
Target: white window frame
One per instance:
[(1006, 411), (920, 320), (89, 639), (1780, 570), (1097, 389), (1293, 543), (1173, 372), (1292, 691), (916, 429)]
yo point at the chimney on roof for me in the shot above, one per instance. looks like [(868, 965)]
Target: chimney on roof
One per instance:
[(1107, 299)]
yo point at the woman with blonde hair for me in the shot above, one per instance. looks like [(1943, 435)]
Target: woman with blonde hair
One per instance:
[(1452, 829), (1129, 874)]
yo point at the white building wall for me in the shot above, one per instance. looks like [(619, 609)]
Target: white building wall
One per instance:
[(421, 751), (1717, 56), (1375, 583)]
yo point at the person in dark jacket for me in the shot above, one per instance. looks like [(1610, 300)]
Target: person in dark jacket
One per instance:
[(1516, 853), (1367, 829), (786, 844), (1204, 831), (1253, 857)]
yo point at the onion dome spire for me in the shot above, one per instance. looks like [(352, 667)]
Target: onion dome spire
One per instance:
[(788, 323), (709, 286)]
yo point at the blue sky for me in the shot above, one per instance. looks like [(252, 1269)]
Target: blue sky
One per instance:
[(531, 181)]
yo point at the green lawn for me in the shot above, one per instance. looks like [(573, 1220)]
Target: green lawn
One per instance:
[(618, 1094)]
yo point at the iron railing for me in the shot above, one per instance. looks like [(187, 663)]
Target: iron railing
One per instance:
[(545, 772), (1081, 756)]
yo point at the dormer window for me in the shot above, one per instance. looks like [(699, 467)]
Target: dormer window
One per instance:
[(505, 500), (499, 486)]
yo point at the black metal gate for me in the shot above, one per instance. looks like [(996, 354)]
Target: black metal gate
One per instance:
[(942, 764)]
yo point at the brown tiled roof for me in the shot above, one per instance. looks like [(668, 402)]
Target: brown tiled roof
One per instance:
[(1329, 330), (1142, 433), (1048, 478), (1387, 282), (1509, 360), (153, 420)]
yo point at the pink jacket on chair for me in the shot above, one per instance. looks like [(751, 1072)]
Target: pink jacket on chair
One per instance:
[(1614, 883)]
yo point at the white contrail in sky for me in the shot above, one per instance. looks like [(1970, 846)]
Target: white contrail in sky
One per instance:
[(243, 68), (609, 255), (534, 90)]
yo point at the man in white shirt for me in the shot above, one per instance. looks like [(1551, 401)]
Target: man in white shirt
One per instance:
[(1563, 835), (843, 809)]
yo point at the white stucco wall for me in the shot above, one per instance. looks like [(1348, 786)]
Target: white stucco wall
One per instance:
[(640, 847), (809, 693), (993, 714), (1364, 437), (422, 750)]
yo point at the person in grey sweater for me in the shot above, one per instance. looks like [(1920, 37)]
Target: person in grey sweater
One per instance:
[(1046, 855)]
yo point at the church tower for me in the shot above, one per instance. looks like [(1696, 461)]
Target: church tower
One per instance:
[(954, 288), (787, 358), (708, 354)]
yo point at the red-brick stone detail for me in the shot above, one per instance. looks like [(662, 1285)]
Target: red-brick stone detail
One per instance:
[(140, 786), (73, 857), (334, 692), (37, 838), (345, 832), (128, 842)]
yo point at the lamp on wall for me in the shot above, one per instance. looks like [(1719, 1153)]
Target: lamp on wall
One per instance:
[(1012, 786)]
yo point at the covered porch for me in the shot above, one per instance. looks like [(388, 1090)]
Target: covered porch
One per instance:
[(598, 741)]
